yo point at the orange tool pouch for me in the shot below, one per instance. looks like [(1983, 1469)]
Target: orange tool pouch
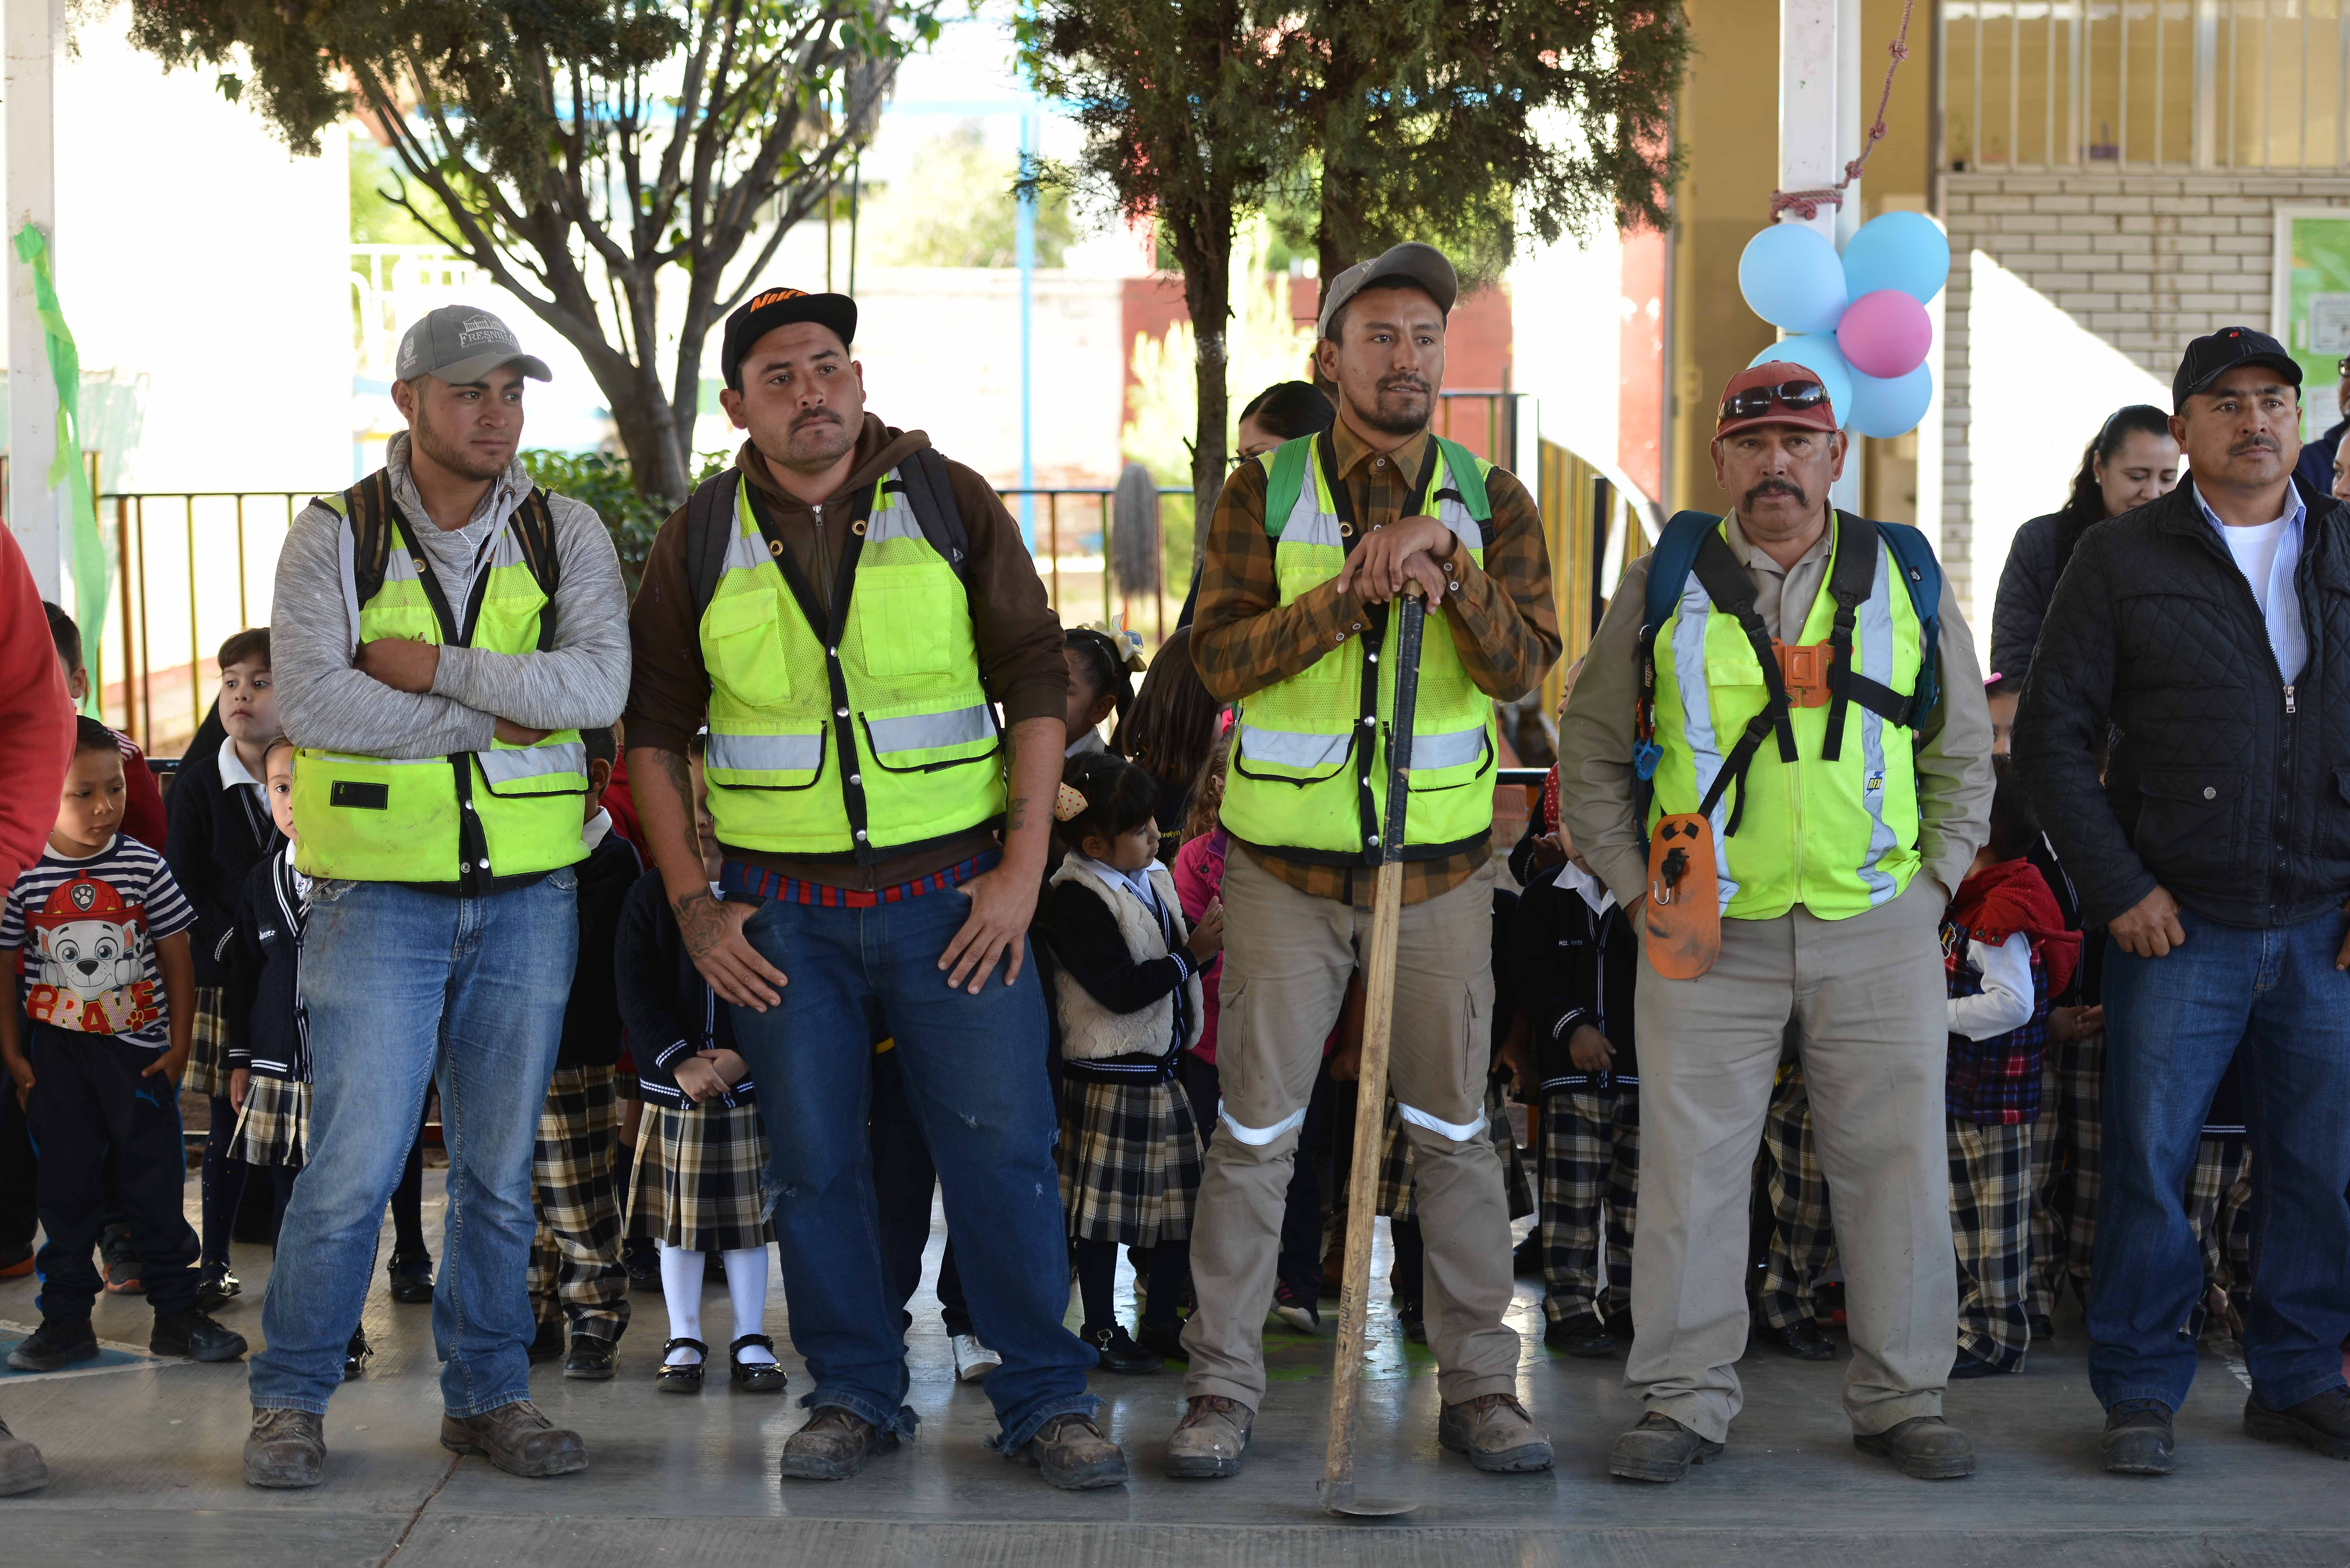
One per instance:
[(1682, 923)]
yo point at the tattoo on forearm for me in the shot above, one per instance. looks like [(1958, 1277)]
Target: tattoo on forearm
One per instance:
[(1016, 811), (674, 772), (700, 920)]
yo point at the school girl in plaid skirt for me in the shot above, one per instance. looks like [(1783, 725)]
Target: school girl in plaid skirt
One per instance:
[(701, 1182), (1126, 990)]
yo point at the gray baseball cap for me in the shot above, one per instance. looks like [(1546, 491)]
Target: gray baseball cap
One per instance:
[(461, 343), (1422, 266)]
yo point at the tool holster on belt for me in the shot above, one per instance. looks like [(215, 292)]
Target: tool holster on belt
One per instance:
[(1682, 923)]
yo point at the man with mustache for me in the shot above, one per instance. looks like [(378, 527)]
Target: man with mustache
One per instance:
[(1310, 545), (1845, 801), (845, 608), (2211, 630)]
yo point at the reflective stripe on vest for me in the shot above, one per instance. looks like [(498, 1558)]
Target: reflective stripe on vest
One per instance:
[(1838, 838), (401, 819), (887, 726), (1308, 771)]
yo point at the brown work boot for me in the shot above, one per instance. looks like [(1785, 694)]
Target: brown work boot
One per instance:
[(1073, 1455), (285, 1448), (21, 1468), (1496, 1433), (1209, 1441), (1660, 1450), (834, 1445), (517, 1440), (1924, 1447)]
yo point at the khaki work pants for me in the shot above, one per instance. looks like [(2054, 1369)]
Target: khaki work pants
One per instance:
[(1287, 959), (1868, 998)]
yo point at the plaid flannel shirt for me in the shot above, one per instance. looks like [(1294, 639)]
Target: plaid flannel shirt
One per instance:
[(1994, 1082), (1500, 616)]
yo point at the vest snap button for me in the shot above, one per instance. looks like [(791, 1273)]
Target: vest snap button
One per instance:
[(1371, 838), (857, 781), (840, 712), (833, 651), (482, 864), (861, 835)]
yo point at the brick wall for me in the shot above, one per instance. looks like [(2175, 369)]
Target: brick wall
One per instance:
[(2144, 262)]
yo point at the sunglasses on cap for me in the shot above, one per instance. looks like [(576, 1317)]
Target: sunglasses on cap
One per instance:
[(1754, 400)]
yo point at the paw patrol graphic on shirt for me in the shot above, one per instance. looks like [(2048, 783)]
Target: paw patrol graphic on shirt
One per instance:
[(88, 964)]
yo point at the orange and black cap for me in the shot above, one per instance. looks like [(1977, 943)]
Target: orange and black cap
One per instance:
[(772, 307)]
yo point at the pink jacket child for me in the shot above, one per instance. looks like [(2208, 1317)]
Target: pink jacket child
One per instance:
[(1199, 878)]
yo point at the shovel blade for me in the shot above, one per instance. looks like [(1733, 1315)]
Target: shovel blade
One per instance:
[(1339, 1497)]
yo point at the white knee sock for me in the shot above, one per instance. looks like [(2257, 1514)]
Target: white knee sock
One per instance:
[(746, 1286), (681, 1292)]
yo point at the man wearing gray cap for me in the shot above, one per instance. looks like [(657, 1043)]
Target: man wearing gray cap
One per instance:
[(1310, 544), (442, 631)]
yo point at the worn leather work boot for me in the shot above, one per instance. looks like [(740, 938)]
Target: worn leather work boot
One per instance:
[(1660, 1450), (21, 1468), (2321, 1422), (1208, 1443), (1924, 1447), (1073, 1455), (834, 1445), (285, 1448), (1496, 1433), (517, 1440), (2138, 1439)]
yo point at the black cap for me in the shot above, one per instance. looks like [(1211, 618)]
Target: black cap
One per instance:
[(774, 307), (2208, 358)]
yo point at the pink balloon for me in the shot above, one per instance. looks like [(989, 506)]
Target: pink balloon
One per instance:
[(1885, 333)]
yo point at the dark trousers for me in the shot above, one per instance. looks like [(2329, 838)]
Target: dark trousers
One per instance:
[(19, 1217), (903, 1181), (91, 1115), (223, 1184)]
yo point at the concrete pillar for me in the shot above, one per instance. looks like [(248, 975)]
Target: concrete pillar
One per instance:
[(1820, 132), (35, 512)]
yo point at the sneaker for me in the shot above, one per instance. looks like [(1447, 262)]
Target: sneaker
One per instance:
[(2138, 1439), (1412, 1322), (1925, 1448), (517, 1440), (16, 1261), (591, 1356), (216, 1287), (1660, 1450), (1801, 1339), (1297, 1308), (1208, 1443), (1970, 1364), (548, 1343), (1163, 1340), (1496, 1433), (119, 1263), (356, 1353), (411, 1277), (1117, 1351), (972, 1359), (54, 1344), (21, 1470), (1582, 1334), (1073, 1455), (834, 1445), (2320, 1423), (285, 1448), (195, 1335)]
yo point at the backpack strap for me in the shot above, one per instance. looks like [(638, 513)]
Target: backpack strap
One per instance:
[(931, 495), (1668, 568), (1850, 581), (1464, 481), (1285, 481), (709, 528), (533, 526), (1731, 586), (1913, 558), (1921, 576), (367, 510)]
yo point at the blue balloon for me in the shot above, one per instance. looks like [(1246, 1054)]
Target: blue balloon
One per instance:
[(1817, 352), (1790, 278), (1906, 251), (1885, 406)]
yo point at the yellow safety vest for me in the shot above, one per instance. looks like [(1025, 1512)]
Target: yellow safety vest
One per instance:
[(1838, 837), (1309, 766), (470, 816), (896, 695)]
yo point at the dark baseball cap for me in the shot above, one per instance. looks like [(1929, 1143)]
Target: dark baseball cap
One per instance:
[(460, 344), (1422, 266), (2210, 357), (1770, 378), (774, 307)]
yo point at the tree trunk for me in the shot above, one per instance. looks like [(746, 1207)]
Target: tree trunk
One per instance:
[(1204, 247), (650, 435)]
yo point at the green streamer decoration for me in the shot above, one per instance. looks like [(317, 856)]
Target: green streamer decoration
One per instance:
[(66, 465)]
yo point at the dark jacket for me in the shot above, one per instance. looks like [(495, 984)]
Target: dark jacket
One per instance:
[(669, 1010), (1567, 966), (218, 835), (2025, 585), (2215, 791), (268, 1031), (2315, 470), (591, 1019)]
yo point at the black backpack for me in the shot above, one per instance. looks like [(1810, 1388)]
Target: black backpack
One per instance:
[(710, 520)]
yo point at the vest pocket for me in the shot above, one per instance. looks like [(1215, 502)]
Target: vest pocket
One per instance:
[(904, 612), (743, 650)]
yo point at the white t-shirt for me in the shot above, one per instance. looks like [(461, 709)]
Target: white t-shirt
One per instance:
[(2255, 550)]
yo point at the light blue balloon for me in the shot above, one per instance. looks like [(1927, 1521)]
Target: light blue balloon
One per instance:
[(1898, 250), (1886, 406), (1817, 352), (1790, 278)]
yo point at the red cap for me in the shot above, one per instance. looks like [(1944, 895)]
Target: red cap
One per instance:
[(1820, 416)]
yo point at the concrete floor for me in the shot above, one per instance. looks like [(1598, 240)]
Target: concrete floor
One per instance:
[(145, 1459)]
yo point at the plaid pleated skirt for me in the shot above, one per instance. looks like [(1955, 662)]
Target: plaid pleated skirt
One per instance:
[(207, 1069), (274, 1128), (701, 1177), (1395, 1193), (1130, 1163)]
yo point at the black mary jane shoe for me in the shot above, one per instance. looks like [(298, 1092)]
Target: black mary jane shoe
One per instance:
[(1117, 1351), (685, 1377), (356, 1353), (754, 1376)]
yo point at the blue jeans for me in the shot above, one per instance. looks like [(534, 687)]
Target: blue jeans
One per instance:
[(2171, 1026), (975, 1079), (403, 987)]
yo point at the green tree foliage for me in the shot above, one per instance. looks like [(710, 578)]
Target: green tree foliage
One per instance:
[(955, 207), (605, 481), (626, 168)]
